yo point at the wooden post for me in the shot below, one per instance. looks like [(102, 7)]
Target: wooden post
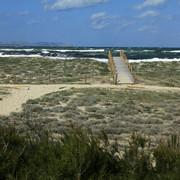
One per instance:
[(14, 78), (129, 66), (85, 79), (171, 81), (49, 78), (116, 78), (131, 69), (134, 79)]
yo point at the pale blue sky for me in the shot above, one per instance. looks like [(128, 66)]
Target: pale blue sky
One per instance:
[(130, 23)]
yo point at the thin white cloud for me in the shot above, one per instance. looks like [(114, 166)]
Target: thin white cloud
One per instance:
[(24, 13), (143, 28), (168, 17), (150, 3), (98, 15), (149, 13), (179, 2), (125, 24), (148, 28), (32, 22), (99, 20), (71, 4)]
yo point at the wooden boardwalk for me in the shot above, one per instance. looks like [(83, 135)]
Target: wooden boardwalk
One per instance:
[(121, 69)]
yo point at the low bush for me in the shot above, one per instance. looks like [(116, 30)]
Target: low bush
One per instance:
[(78, 154)]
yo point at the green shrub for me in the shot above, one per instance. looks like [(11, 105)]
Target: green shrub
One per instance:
[(167, 156), (78, 154), (84, 101)]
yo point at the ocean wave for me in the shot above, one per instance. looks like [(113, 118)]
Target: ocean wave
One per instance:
[(31, 55), (148, 50), (72, 58), (56, 57), (136, 51), (93, 58), (175, 51), (73, 50), (153, 60), (45, 51), (118, 50), (27, 50)]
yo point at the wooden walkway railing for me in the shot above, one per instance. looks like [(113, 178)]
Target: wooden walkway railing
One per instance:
[(122, 54), (115, 70), (112, 66)]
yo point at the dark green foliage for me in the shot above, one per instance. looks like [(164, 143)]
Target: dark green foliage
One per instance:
[(137, 157), (167, 156), (78, 154)]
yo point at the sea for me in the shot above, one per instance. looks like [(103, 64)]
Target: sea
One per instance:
[(134, 54)]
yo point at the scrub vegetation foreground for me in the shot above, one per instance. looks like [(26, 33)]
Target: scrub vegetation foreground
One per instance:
[(118, 111), (78, 154), (90, 133)]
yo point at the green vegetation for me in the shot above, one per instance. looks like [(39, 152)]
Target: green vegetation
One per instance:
[(78, 154), (89, 133), (118, 111), (157, 73), (41, 70)]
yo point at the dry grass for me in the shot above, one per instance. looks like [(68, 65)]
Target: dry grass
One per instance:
[(157, 73), (54, 71), (118, 112)]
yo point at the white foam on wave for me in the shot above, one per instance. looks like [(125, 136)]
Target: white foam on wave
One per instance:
[(97, 59), (122, 50), (56, 57), (45, 51), (72, 50), (175, 51), (27, 50), (147, 50), (35, 55), (71, 58), (153, 60)]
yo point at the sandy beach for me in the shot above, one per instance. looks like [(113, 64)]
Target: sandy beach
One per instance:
[(19, 94)]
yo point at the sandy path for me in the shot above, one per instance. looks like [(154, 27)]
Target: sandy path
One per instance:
[(21, 93)]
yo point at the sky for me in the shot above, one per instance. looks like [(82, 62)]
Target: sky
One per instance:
[(104, 23)]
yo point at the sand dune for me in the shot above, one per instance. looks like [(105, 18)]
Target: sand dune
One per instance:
[(19, 94)]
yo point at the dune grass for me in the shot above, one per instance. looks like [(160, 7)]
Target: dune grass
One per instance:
[(157, 73), (54, 71), (58, 135), (118, 112)]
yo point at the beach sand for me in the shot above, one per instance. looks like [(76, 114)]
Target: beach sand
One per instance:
[(19, 94)]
